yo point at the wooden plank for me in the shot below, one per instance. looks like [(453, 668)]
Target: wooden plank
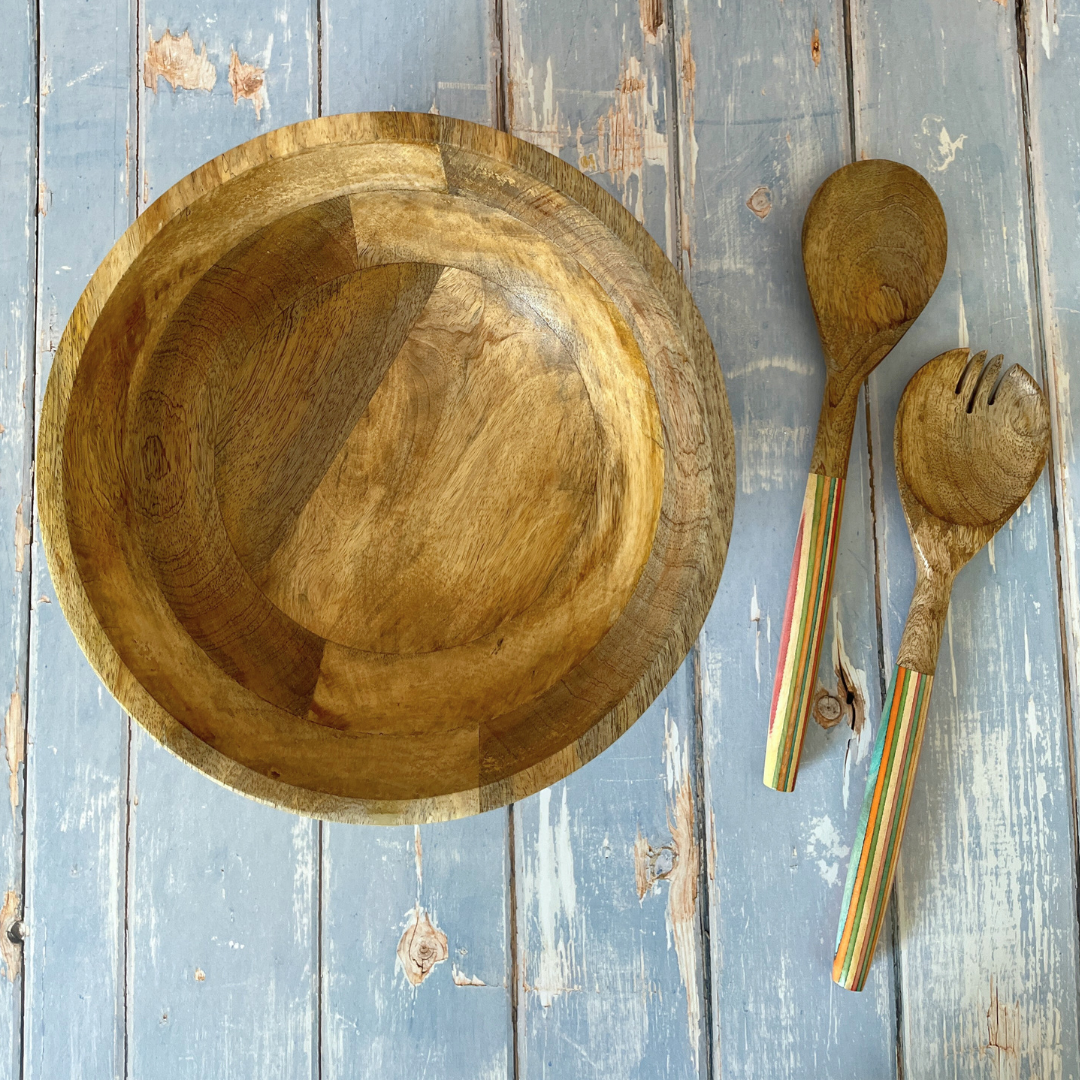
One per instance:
[(762, 123), (391, 890), (985, 892), (1053, 58), (77, 735), (18, 235), (610, 967), (235, 984)]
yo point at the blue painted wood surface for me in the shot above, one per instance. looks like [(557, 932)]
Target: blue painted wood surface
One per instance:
[(177, 929)]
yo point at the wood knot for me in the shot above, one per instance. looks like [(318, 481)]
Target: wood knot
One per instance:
[(760, 202), (422, 946), (828, 709)]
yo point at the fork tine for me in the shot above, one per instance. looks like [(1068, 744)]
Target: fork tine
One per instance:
[(986, 382), (1005, 373), (970, 376)]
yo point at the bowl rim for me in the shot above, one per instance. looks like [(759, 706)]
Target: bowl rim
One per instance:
[(321, 133)]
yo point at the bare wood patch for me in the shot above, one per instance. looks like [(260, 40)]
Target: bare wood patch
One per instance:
[(11, 945), (200, 975), (174, 59), (422, 946), (652, 18), (22, 539), (248, 81), (760, 202), (1003, 1034), (14, 742), (815, 46)]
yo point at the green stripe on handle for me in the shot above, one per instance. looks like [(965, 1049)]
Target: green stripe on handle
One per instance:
[(881, 825), (809, 590)]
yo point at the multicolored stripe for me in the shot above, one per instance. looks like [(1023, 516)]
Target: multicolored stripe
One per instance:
[(881, 825), (809, 590)]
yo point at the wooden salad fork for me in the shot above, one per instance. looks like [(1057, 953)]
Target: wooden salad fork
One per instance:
[(874, 244), (970, 443)]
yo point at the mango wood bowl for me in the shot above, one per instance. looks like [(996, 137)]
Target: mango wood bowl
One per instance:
[(386, 470)]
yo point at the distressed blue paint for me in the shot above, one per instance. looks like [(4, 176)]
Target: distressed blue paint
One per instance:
[(234, 987), (426, 54), (77, 733), (600, 988), (986, 903), (375, 1022), (761, 113), (1053, 61), (18, 232)]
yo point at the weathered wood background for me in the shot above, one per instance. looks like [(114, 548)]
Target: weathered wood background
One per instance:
[(660, 913)]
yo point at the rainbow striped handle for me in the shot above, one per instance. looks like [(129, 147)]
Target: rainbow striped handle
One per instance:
[(804, 627), (881, 825)]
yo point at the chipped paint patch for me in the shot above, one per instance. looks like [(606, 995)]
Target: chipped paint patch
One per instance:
[(11, 943), (418, 851), (22, 539), (853, 692), (422, 946), (683, 884), (760, 202), (651, 865), (825, 846), (249, 82), (174, 59), (538, 121), (815, 47), (652, 18), (15, 746), (550, 881), (627, 136), (940, 148), (200, 975), (461, 979)]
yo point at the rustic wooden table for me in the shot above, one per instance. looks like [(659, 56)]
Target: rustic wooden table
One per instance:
[(660, 913)]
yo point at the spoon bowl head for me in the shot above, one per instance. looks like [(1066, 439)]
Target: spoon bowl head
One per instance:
[(874, 243), (971, 440)]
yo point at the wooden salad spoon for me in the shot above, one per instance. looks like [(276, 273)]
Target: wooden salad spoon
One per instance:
[(970, 444), (874, 244)]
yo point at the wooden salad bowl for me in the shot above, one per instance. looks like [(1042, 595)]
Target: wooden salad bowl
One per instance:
[(386, 471)]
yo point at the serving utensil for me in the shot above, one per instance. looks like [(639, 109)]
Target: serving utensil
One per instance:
[(874, 243), (970, 443)]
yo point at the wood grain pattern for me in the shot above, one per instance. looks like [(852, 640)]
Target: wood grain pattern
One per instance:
[(662, 502), (776, 862), (874, 243), (977, 876), (970, 443)]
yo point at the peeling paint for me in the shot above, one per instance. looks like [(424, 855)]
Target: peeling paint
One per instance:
[(11, 944), (940, 148), (174, 59), (550, 880), (22, 539), (14, 745), (627, 136), (687, 137), (683, 892), (760, 202), (853, 692), (461, 979), (538, 122), (422, 946), (825, 846), (248, 81), (815, 47), (652, 18)]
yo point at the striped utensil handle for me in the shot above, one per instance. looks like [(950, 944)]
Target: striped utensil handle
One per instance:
[(809, 590), (881, 825)]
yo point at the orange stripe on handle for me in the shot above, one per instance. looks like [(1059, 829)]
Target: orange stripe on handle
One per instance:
[(809, 590), (881, 825)]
